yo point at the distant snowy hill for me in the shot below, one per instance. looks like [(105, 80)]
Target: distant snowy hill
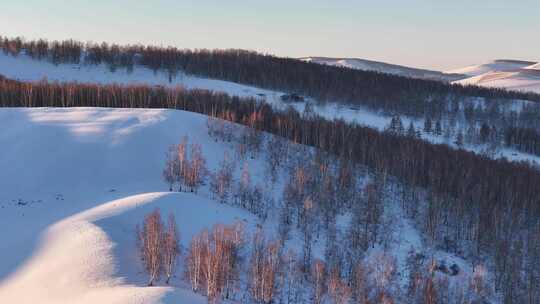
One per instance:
[(508, 74), (494, 66), (514, 75), (534, 67), (381, 67)]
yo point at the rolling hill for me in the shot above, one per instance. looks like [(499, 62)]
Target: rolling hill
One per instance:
[(382, 67), (506, 74)]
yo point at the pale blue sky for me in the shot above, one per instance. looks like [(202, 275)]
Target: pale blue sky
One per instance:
[(424, 33)]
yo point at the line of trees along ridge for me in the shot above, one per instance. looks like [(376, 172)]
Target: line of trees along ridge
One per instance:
[(323, 82)]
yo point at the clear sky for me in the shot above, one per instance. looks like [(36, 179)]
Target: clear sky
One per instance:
[(435, 34)]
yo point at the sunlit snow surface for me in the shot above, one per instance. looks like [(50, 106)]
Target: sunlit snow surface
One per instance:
[(506, 74), (382, 67), (75, 182)]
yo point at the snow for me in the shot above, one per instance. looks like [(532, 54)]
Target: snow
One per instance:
[(381, 67), (101, 265), (525, 80), (508, 74), (496, 65), (76, 181), (534, 67), (25, 68), (74, 184)]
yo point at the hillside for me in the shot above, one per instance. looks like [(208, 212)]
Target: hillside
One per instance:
[(382, 67), (24, 68), (75, 206), (501, 65), (515, 75), (506, 74)]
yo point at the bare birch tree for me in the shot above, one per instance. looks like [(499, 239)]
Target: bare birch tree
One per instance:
[(151, 240), (171, 249), (170, 167), (222, 179), (265, 264), (339, 291), (195, 261), (181, 162), (197, 168), (319, 281)]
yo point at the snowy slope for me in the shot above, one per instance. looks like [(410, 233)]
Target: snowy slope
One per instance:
[(508, 74), (88, 257), (76, 181), (73, 186), (369, 65), (494, 66), (534, 67), (25, 68)]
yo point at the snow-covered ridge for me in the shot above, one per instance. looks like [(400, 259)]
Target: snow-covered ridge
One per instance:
[(517, 75), (534, 67), (382, 67), (500, 65), (514, 75)]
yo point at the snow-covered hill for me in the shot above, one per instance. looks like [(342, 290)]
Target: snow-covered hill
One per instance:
[(76, 181), (534, 67), (494, 66), (74, 184), (25, 68), (382, 67), (508, 74)]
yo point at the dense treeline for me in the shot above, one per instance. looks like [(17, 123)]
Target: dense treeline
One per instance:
[(523, 139), (371, 89)]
